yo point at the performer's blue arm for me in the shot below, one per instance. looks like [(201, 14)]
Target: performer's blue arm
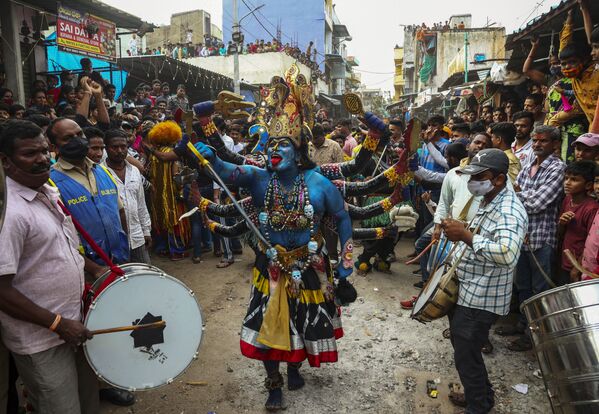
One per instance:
[(336, 207), (239, 175)]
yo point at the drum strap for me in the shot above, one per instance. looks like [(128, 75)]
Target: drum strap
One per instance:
[(115, 271), (464, 213)]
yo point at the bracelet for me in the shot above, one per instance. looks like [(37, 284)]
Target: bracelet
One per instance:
[(55, 323)]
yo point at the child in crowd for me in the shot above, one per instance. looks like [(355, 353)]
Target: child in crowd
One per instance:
[(576, 215)]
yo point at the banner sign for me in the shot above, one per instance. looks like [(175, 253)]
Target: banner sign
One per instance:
[(85, 34)]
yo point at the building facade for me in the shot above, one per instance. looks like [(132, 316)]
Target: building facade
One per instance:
[(187, 27), (398, 79), (430, 56), (297, 24)]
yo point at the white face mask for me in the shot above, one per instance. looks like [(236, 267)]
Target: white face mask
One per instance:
[(480, 188)]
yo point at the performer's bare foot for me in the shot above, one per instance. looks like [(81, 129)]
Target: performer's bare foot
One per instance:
[(295, 381)]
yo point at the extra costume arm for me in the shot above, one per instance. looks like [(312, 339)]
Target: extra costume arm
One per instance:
[(334, 205), (234, 230), (397, 174), (224, 210), (373, 210), (240, 228)]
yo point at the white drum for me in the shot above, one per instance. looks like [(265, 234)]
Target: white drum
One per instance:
[(146, 358)]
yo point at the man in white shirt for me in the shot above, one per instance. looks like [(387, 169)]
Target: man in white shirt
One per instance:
[(133, 45), (130, 187), (522, 146)]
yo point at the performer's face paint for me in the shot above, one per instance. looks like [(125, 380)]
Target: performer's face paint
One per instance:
[(29, 163), (281, 154)]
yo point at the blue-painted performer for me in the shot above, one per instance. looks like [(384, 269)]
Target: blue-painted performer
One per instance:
[(292, 315)]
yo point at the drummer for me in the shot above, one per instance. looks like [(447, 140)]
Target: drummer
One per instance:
[(41, 281), (485, 272)]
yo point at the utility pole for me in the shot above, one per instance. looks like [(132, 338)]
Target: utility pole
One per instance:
[(236, 86), (466, 57)]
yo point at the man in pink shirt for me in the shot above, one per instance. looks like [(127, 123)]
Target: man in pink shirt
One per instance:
[(591, 245), (344, 128), (41, 281)]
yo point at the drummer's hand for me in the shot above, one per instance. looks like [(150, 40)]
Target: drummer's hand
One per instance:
[(456, 231), (73, 332)]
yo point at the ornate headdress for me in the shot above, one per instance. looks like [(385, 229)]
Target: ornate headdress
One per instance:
[(292, 101)]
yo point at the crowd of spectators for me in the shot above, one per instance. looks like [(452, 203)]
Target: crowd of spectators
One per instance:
[(215, 47)]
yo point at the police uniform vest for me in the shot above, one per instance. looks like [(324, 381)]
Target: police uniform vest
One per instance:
[(98, 214)]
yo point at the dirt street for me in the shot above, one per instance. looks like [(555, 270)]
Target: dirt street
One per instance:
[(385, 357)]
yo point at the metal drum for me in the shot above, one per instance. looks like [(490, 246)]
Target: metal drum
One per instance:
[(146, 358), (564, 324)]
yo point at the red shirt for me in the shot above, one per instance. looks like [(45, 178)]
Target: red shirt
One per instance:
[(578, 228)]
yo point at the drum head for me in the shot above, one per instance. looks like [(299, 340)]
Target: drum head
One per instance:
[(428, 290), (129, 269), (148, 358)]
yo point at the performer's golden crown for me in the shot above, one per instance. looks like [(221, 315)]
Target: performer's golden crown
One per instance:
[(292, 100)]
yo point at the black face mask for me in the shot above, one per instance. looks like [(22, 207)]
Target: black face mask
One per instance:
[(75, 149)]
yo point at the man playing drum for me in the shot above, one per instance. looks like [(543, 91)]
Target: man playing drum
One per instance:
[(492, 246), (41, 281)]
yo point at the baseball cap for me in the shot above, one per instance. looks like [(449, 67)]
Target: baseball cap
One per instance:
[(488, 159), (589, 139)]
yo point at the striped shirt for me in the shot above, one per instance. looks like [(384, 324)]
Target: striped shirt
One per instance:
[(427, 161), (486, 270), (541, 195)]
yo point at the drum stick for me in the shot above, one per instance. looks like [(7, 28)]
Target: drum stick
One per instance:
[(578, 266), (422, 253), (159, 324)]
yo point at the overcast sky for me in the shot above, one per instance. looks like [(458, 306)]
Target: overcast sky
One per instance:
[(375, 30)]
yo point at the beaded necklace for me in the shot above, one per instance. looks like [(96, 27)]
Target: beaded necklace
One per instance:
[(280, 207)]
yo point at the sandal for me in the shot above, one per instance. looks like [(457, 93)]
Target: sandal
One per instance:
[(447, 333), (218, 253), (196, 259), (487, 348), (456, 396), (509, 330), (224, 263), (521, 344)]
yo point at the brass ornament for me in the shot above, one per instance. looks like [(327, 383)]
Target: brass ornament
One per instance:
[(353, 104)]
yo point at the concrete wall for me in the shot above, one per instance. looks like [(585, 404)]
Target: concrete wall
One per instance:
[(176, 32), (257, 69), (487, 41)]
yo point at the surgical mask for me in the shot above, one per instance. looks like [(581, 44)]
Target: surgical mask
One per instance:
[(75, 149), (480, 188), (555, 70)]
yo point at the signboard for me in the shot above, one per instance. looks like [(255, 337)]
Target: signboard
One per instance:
[(85, 34)]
